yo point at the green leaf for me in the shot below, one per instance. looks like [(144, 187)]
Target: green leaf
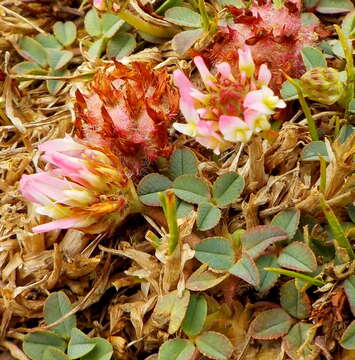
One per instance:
[(208, 216), (270, 324), (348, 339), (351, 212), (176, 349), (288, 220), (349, 287), (227, 188), (184, 40), (80, 344), (33, 50), (121, 45), (293, 301), (28, 67), (167, 4), (246, 269), (65, 32), (288, 91), (183, 208), (182, 162), (217, 252), (183, 16), (313, 58), (312, 151), (267, 278), (195, 316), (178, 311), (214, 345), (345, 131), (299, 257), (53, 353), (102, 351), (48, 41), (35, 344), (58, 58), (295, 339), (309, 18), (54, 86), (191, 189), (203, 279), (96, 48), (348, 25), (334, 6), (256, 240), (92, 23), (55, 307), (150, 186), (110, 24)]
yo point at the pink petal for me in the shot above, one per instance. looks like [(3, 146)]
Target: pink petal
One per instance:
[(61, 145), (246, 63), (225, 70), (65, 223), (234, 129), (207, 78), (264, 75)]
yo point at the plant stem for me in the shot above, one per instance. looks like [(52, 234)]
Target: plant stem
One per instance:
[(323, 174), (350, 83), (306, 110), (168, 203), (296, 275), (144, 26), (337, 229)]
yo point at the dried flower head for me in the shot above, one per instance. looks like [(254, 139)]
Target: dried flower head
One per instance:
[(129, 110), (275, 36), (233, 106), (83, 187)]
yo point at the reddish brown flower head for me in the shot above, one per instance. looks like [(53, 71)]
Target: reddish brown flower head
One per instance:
[(276, 37), (129, 109)]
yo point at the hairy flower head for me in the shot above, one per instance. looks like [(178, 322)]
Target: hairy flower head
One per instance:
[(233, 105), (83, 187)]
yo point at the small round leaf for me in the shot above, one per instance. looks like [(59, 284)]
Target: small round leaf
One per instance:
[(214, 345), (246, 269), (176, 349), (348, 339), (150, 187), (195, 316), (65, 32), (217, 252), (80, 344), (121, 45), (227, 188), (33, 50), (299, 257), (295, 302), (288, 220), (182, 162), (267, 278), (183, 16), (191, 189), (102, 351), (208, 216), (270, 324)]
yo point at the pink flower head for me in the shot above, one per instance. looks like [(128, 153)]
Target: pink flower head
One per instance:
[(232, 107), (82, 187)]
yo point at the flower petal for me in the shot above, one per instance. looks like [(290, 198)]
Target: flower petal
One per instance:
[(207, 78), (234, 129), (66, 223)]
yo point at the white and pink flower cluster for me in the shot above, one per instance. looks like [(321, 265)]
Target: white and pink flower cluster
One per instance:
[(231, 108), (82, 187)]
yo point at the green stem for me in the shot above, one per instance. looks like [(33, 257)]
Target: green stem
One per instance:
[(337, 229), (145, 26), (168, 203), (296, 275), (350, 86), (204, 15), (306, 110), (323, 174)]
